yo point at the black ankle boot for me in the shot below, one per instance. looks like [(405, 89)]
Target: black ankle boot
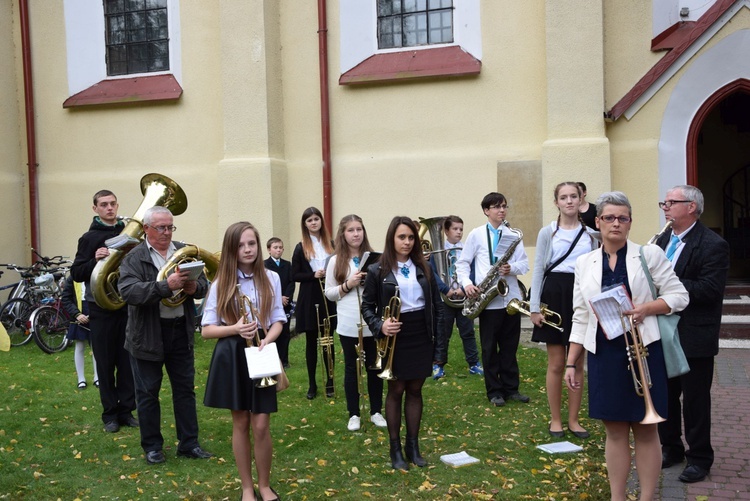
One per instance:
[(411, 448), (397, 459)]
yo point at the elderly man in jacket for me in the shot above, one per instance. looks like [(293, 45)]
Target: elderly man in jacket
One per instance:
[(161, 336)]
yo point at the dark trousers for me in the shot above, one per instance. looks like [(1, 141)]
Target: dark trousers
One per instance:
[(374, 383), (311, 357), (179, 360), (499, 334), (116, 387), (695, 389), (465, 330), (282, 344)]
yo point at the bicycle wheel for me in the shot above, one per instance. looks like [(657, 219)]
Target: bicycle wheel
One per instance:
[(15, 318), (49, 327)]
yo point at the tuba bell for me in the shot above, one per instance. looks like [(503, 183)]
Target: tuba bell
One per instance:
[(445, 259), (187, 254), (157, 189)]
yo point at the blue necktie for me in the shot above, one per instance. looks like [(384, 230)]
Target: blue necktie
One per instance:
[(672, 246)]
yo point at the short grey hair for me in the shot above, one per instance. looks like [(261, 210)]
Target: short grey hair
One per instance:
[(152, 211), (693, 194), (612, 198)]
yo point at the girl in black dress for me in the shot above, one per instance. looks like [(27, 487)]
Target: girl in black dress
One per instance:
[(309, 269), (557, 247), (229, 385), (403, 266)]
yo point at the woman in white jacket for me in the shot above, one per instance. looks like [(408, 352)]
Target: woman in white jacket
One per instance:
[(612, 396)]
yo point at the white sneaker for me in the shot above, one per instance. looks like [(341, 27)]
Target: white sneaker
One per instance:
[(353, 423), (378, 420)]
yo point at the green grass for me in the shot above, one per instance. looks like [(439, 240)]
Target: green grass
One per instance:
[(52, 445)]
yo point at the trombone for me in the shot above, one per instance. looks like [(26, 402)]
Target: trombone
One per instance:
[(361, 359), (551, 318), (245, 305), (325, 339), (392, 311), (637, 353)]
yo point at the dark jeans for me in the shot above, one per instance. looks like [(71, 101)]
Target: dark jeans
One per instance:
[(465, 330), (695, 389), (116, 387), (374, 383), (179, 360), (500, 334)]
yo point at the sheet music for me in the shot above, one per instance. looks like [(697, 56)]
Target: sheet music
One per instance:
[(506, 240), (264, 363), (608, 307)]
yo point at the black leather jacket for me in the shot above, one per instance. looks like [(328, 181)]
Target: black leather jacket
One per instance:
[(379, 291)]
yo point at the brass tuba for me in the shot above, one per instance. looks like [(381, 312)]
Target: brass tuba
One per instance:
[(445, 259), (187, 254), (157, 190)]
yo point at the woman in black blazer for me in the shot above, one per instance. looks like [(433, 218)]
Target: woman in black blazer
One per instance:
[(309, 269), (402, 265)]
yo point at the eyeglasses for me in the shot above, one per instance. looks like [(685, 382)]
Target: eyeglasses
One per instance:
[(666, 204), (162, 229), (611, 219)]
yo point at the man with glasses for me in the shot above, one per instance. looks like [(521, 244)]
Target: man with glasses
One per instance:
[(700, 259), (115, 381), (499, 332), (161, 336)]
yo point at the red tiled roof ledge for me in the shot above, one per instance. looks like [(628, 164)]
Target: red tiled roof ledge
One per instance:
[(683, 39), (127, 90), (410, 64)]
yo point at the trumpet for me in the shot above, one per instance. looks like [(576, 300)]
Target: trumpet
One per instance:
[(551, 318), (392, 311), (667, 226), (637, 360), (246, 305)]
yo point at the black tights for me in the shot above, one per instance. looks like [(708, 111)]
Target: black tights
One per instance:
[(311, 356), (412, 407)]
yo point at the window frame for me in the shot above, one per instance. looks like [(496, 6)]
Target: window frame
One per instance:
[(87, 66), (363, 62)]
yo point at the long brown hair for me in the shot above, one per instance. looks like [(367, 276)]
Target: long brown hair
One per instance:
[(341, 270), (325, 237), (389, 260), (225, 284)]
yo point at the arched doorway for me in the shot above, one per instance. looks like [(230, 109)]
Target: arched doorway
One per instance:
[(718, 162)]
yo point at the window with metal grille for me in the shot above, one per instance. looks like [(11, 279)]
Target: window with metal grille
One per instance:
[(407, 23), (137, 36)]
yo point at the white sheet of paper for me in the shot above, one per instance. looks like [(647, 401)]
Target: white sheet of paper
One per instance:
[(608, 306), (264, 363), (557, 447)]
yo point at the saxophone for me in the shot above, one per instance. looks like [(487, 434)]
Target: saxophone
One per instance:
[(493, 284)]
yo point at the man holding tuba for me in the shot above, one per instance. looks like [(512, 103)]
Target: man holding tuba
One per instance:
[(161, 336), (115, 382)]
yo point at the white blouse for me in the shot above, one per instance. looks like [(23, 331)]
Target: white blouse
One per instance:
[(411, 293)]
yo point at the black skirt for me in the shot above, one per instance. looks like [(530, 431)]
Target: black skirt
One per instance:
[(413, 356), (229, 386), (76, 331), (612, 395), (557, 294)]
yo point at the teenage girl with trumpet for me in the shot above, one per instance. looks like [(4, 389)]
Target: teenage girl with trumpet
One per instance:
[(403, 267), (557, 247), (225, 318), (309, 269), (343, 279)]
